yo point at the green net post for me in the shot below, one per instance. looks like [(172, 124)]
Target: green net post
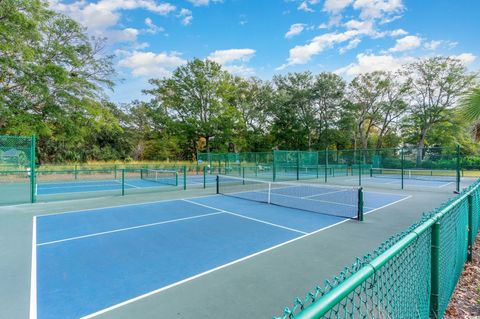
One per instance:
[(435, 271), (326, 163), (184, 177), (204, 177), (33, 172), (402, 166), (123, 182), (360, 204), (471, 235), (243, 175), (458, 169), (217, 182)]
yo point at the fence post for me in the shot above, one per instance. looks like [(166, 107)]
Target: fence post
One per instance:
[(123, 182), (217, 182), (184, 177), (402, 164), (458, 169), (33, 172), (298, 165), (471, 235), (435, 271), (326, 163)]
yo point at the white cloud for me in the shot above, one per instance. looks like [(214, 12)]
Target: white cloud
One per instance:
[(125, 35), (398, 33), (301, 54), (240, 70), (406, 43), (304, 7), (432, 45), (149, 64), (227, 56), (332, 22), (152, 28), (336, 6), (377, 9), (295, 29), (186, 16), (198, 3), (371, 62), (466, 58), (351, 45)]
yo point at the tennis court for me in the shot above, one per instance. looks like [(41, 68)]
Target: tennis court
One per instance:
[(88, 262)]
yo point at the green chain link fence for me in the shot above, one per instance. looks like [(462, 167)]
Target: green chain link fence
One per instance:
[(411, 275), (17, 170)]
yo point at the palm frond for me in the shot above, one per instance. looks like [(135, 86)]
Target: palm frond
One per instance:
[(470, 105)]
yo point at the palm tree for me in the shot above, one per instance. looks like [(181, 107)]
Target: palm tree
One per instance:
[(470, 110)]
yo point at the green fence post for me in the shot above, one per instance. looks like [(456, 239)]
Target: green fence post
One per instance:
[(435, 271), (458, 169), (360, 204), (471, 235), (33, 173), (123, 182), (115, 171), (274, 167), (184, 177), (298, 165), (217, 182), (402, 165), (326, 163)]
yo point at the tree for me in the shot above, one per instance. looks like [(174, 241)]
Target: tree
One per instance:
[(195, 97), (293, 114), (328, 99), (437, 83)]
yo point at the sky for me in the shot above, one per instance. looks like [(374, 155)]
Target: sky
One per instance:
[(261, 38)]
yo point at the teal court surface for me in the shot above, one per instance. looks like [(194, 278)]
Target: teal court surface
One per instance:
[(89, 262)]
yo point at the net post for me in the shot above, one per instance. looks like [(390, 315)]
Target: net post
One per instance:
[(184, 177), (217, 182), (269, 193), (435, 271), (176, 178), (123, 182), (204, 177), (243, 175), (471, 235), (360, 204), (33, 173), (458, 169)]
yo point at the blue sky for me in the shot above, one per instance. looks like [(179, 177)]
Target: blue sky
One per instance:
[(261, 38)]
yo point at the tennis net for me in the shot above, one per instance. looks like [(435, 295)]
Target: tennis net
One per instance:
[(161, 176), (418, 174), (338, 201)]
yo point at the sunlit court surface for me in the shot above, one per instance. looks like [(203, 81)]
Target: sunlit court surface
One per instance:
[(90, 262)]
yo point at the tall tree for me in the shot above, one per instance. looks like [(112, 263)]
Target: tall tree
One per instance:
[(195, 97), (437, 84), (470, 110)]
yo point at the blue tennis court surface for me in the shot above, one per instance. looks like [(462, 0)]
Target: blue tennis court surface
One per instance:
[(407, 182), (91, 261)]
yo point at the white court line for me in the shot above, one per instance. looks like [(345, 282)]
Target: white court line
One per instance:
[(33, 275), (129, 228), (389, 204), (246, 217), (148, 294), (343, 190), (445, 185)]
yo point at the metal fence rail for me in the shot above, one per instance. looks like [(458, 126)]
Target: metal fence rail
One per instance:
[(411, 275)]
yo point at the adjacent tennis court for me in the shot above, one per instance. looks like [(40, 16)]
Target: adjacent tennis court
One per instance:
[(92, 261)]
